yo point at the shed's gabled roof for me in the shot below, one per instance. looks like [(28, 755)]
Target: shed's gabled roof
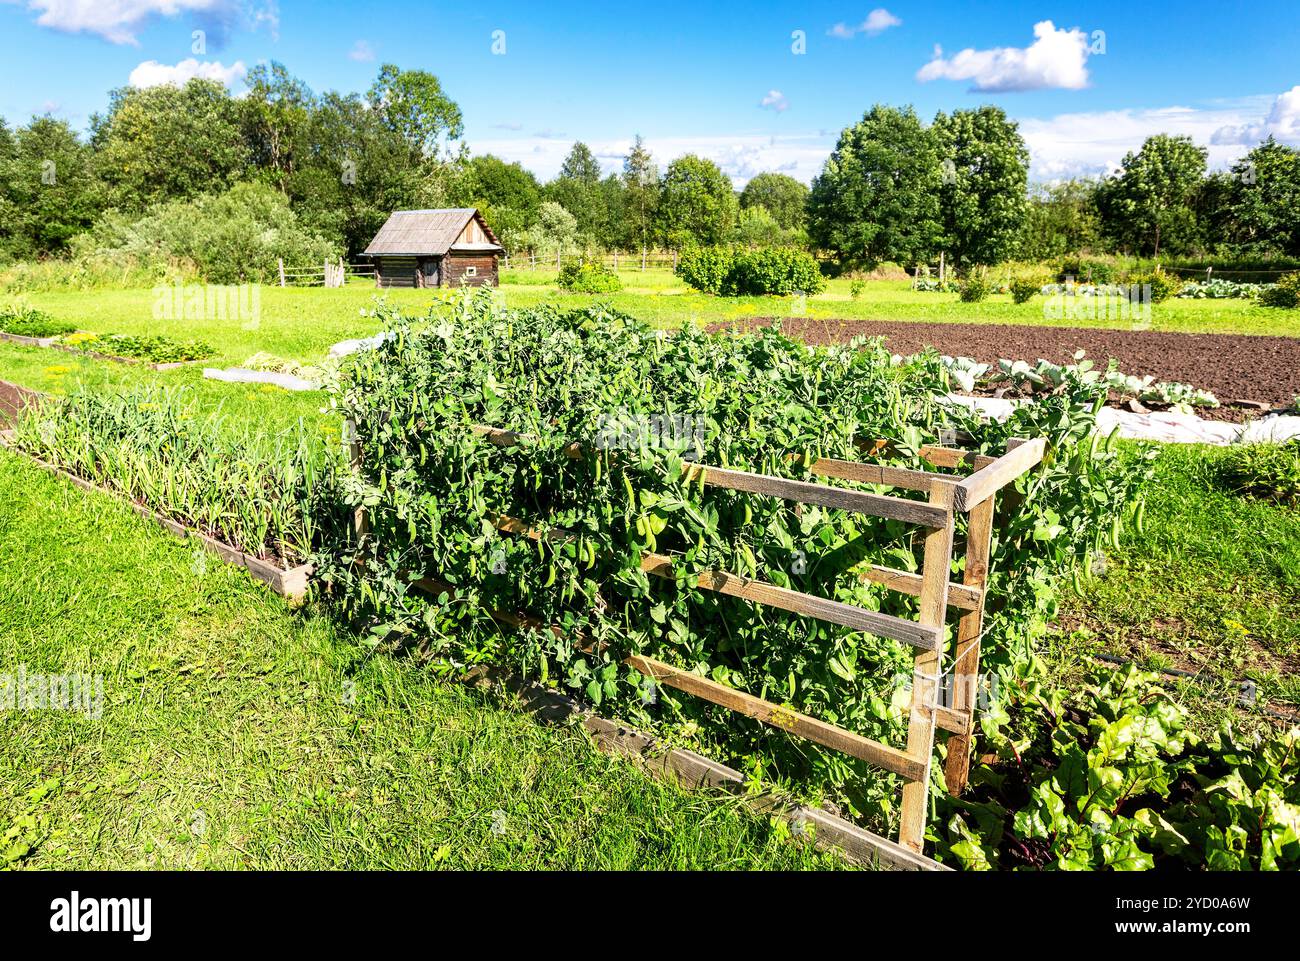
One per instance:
[(425, 233)]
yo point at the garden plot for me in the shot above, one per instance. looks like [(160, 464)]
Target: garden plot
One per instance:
[(614, 431), (1233, 367)]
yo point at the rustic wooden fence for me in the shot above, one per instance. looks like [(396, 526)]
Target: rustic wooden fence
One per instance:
[(947, 495), (330, 274)]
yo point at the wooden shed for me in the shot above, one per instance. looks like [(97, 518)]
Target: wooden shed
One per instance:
[(435, 248)]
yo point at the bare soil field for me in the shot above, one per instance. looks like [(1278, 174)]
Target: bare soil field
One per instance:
[(1233, 366)]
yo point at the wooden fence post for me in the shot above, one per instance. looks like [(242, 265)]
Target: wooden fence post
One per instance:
[(966, 654), (352, 444), (280, 260), (927, 669)]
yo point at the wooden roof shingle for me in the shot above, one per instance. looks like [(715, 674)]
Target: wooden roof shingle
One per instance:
[(424, 233)]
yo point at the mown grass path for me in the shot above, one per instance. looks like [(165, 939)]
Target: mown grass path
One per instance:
[(1211, 587), (237, 734)]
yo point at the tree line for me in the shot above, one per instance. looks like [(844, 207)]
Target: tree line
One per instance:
[(894, 189)]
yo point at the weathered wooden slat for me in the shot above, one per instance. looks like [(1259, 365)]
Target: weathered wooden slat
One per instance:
[(960, 596), (928, 665), (762, 592), (950, 457), (797, 602), (915, 480), (882, 755), (954, 721), (987, 481), (875, 505)]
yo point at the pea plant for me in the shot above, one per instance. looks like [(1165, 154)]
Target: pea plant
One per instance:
[(581, 503)]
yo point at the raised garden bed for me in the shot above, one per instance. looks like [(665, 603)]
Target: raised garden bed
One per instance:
[(291, 582), (54, 343)]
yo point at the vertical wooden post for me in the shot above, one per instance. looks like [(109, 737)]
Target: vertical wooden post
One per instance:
[(927, 669), (280, 260), (942, 275), (643, 258), (352, 443), (966, 655)]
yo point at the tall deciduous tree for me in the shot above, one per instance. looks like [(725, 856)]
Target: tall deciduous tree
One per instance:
[(48, 193), (640, 194), (169, 143), (1149, 207), (697, 203), (413, 105), (877, 197), (1262, 203), (1061, 219), (508, 195), (277, 111), (578, 190), (984, 172), (785, 198)]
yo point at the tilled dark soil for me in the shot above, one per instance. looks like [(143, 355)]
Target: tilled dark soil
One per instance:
[(1233, 366)]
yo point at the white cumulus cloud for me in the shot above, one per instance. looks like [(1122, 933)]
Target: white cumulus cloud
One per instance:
[(362, 52), (775, 100), (1057, 59), (151, 73), (1282, 124), (119, 21), (878, 21)]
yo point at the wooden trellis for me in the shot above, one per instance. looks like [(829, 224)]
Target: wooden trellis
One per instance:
[(946, 496)]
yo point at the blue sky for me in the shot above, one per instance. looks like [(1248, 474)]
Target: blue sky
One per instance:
[(732, 81)]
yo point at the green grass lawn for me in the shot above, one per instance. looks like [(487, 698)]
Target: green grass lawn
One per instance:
[(302, 323), (237, 734), (271, 408), (1211, 587)]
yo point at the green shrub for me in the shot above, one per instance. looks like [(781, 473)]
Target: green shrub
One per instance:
[(857, 288), (1023, 289), (29, 322), (731, 273), (1162, 285), (706, 268), (235, 237), (1263, 470), (1088, 271), (584, 277), (606, 380), (974, 289), (779, 271), (1285, 293)]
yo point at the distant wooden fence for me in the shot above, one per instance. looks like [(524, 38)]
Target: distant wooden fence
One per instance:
[(947, 495), (330, 274)]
